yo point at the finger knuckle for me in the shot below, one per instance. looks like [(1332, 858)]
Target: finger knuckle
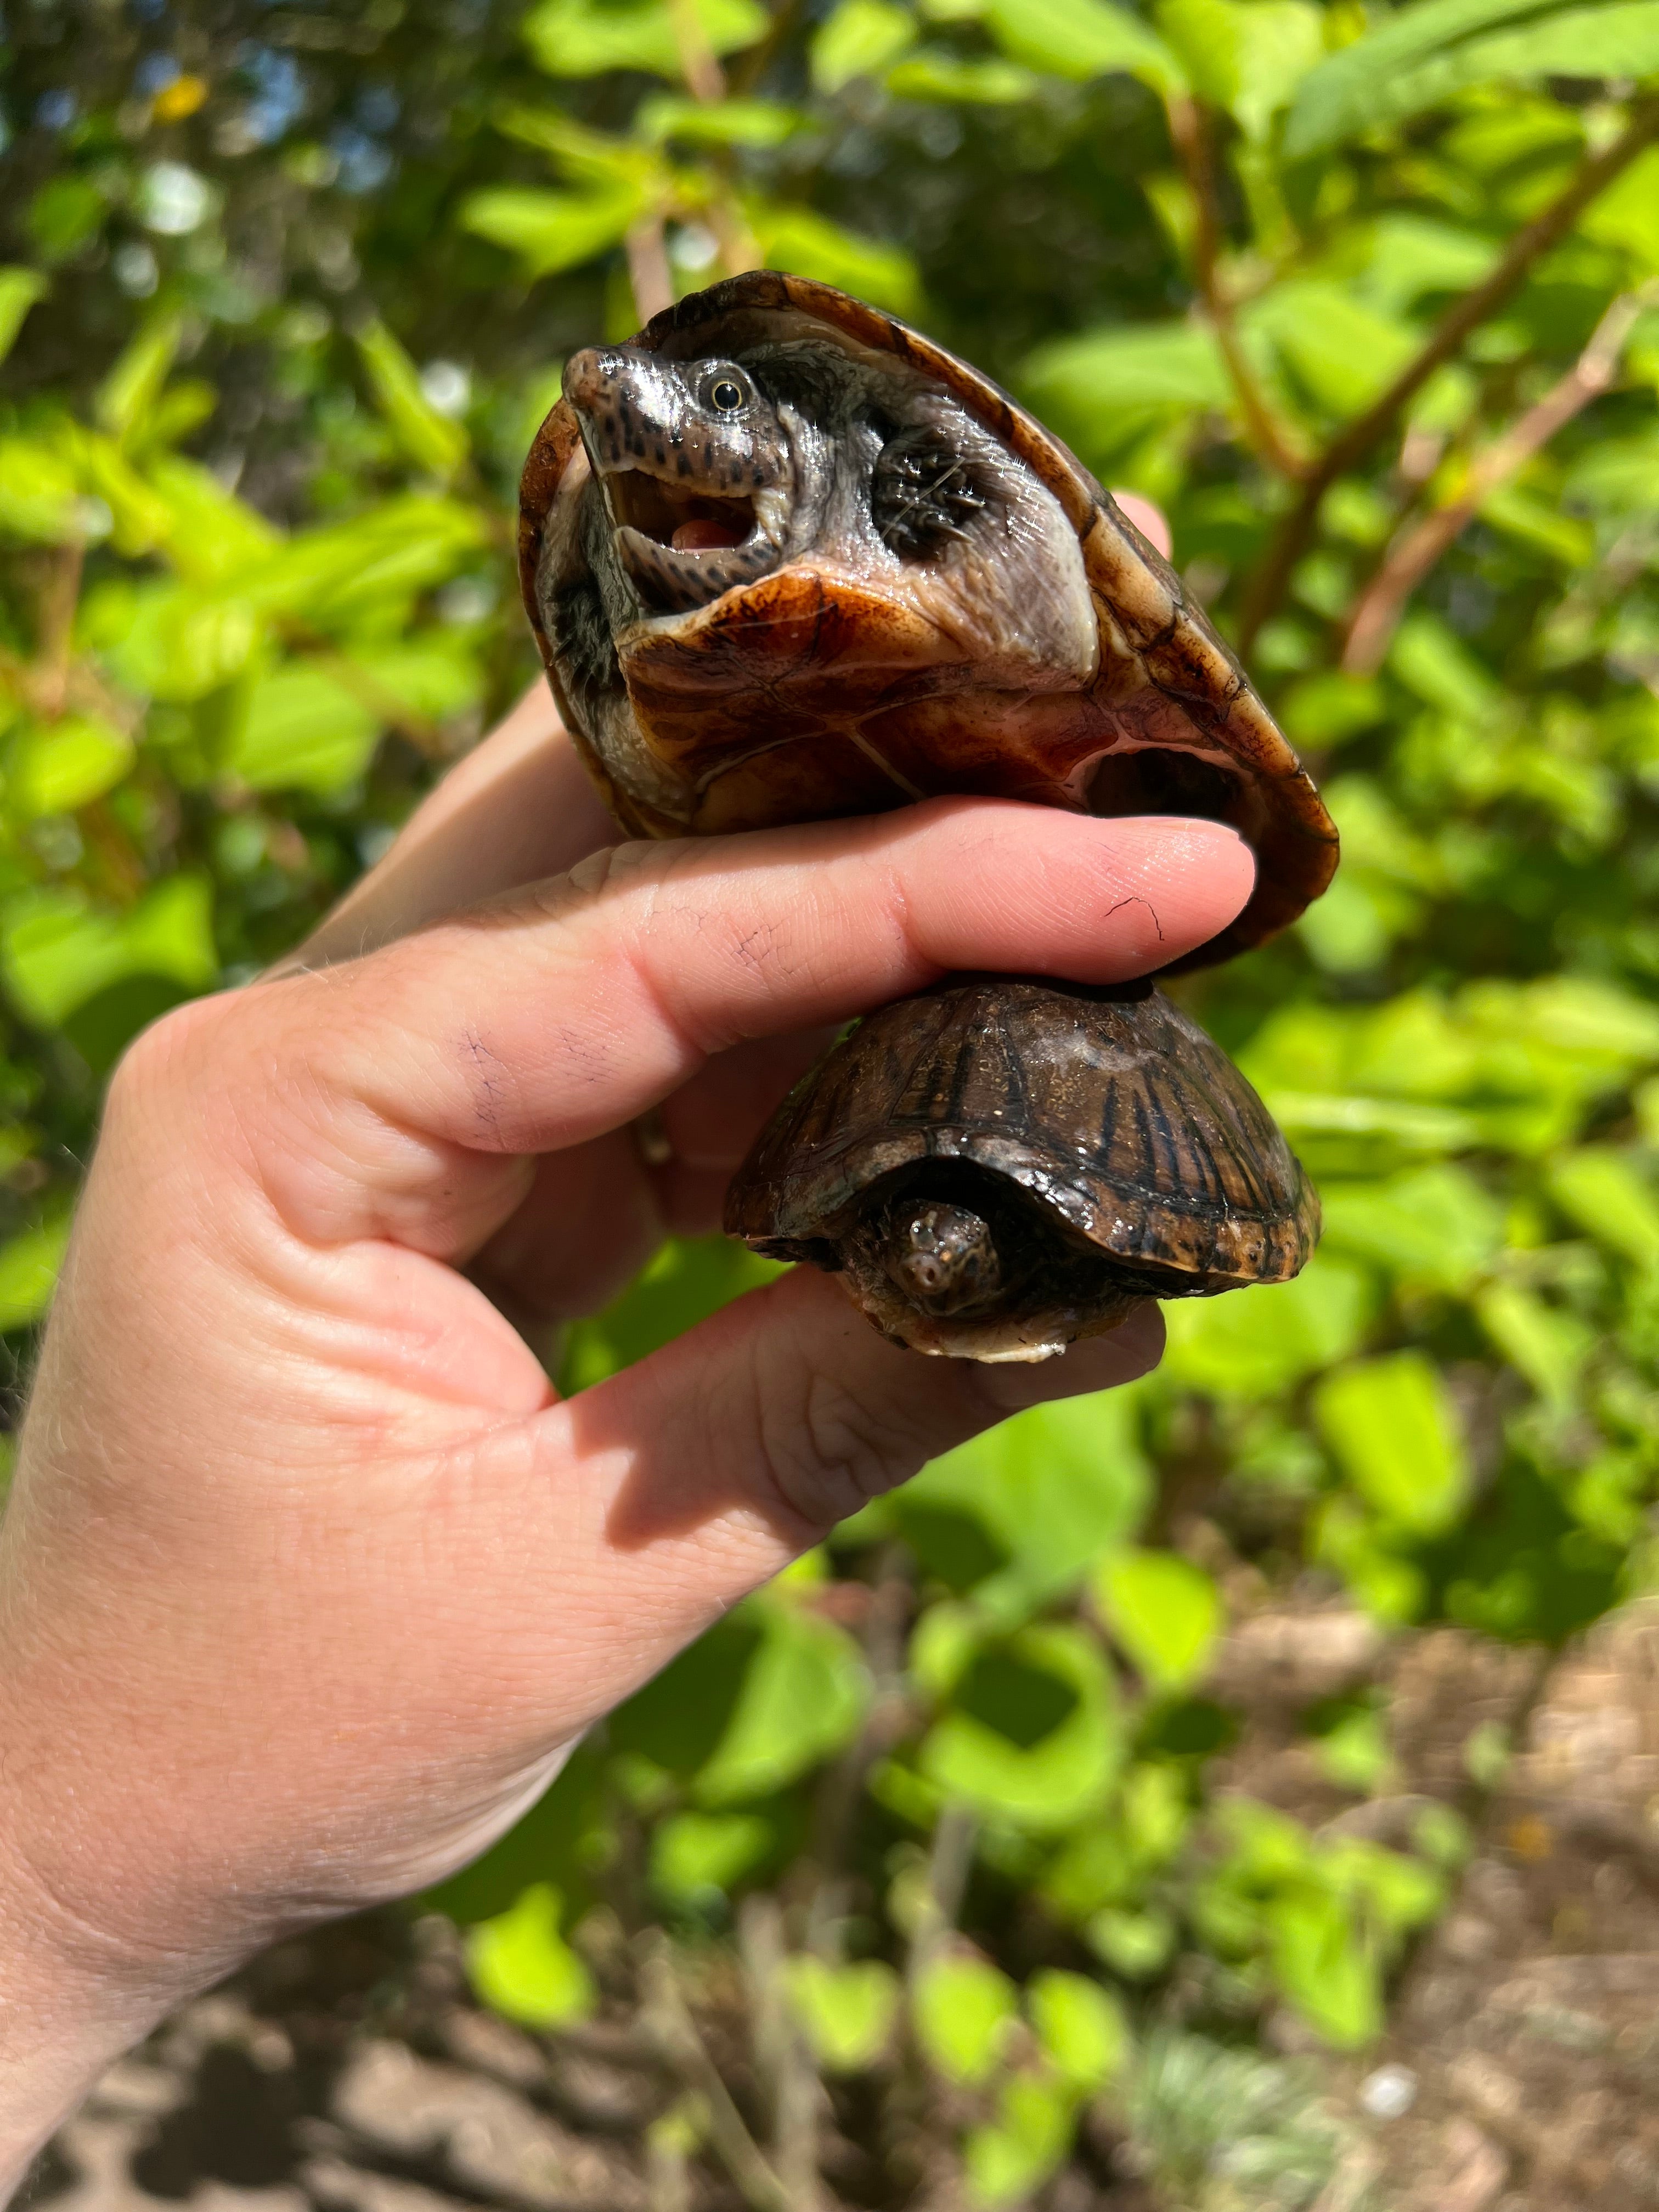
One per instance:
[(827, 1451)]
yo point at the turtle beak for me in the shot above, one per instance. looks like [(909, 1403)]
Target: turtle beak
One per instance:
[(687, 525)]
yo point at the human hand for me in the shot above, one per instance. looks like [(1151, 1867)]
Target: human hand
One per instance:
[(308, 1581)]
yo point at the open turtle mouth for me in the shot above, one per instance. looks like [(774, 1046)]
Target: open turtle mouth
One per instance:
[(683, 546)]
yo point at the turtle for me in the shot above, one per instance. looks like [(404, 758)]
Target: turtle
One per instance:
[(786, 559)]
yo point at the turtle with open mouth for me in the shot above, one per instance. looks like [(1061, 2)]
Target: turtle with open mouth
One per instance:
[(788, 559)]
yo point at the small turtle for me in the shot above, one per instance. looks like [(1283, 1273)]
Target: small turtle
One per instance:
[(788, 559)]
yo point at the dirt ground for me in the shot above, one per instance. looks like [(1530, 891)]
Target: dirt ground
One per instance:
[(352, 2073)]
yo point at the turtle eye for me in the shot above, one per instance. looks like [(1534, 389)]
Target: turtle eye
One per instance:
[(725, 391)]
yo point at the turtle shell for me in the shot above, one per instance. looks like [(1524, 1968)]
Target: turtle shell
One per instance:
[(810, 690), (1112, 1148)]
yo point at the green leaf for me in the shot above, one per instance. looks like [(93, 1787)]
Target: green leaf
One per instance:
[(1606, 1191), (1081, 2026), (1345, 353), (300, 728), (846, 2013), (214, 534), (861, 38), (550, 230), (1050, 1489), (1436, 1226), (20, 289), (1082, 39), (179, 644), (1033, 1738), (716, 123), (1032, 2134), (432, 441), (431, 676), (1424, 54), (1545, 1343), (128, 394), (1397, 1438), (67, 211), (695, 1853), (1132, 367), (935, 74), (964, 2010), (1165, 1614), (810, 244), (41, 495), (30, 1266), (802, 1699), (1322, 1962), (1255, 1342), (1626, 216), (1249, 58), (52, 767), (56, 951), (584, 37), (521, 1966)]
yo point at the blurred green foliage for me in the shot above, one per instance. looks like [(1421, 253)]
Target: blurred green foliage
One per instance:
[(285, 292)]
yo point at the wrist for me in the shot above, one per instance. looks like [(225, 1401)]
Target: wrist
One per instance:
[(61, 2021)]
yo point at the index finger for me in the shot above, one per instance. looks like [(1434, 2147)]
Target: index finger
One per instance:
[(548, 1018)]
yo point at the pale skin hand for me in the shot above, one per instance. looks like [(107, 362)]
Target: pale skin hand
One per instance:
[(307, 1580)]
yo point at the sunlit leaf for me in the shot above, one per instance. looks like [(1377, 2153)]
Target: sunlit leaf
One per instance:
[(1165, 1614), (859, 38), (584, 37), (57, 949), (20, 289), (1257, 1342), (29, 1264), (1081, 39), (1133, 365), (846, 2012), (1032, 2132), (802, 1699), (52, 767), (432, 441), (1424, 54), (521, 1966), (717, 123), (693, 1854), (1081, 2026), (550, 230), (1033, 1736), (1395, 1434), (964, 2010), (1606, 1192), (810, 244), (933, 73), (132, 387), (300, 728)]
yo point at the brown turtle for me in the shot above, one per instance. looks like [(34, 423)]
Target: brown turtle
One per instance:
[(786, 559)]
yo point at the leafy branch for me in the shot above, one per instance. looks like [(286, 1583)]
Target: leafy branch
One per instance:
[(1478, 306), (1189, 133), (1418, 548)]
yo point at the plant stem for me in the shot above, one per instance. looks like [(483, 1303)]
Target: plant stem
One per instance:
[(781, 2058), (949, 1865), (705, 79), (1189, 133), (675, 2032), (1350, 446), (1417, 549), (648, 272)]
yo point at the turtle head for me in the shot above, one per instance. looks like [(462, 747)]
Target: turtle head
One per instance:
[(695, 464), (943, 1257)]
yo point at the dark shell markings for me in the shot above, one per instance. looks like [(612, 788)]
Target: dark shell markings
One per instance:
[(786, 559)]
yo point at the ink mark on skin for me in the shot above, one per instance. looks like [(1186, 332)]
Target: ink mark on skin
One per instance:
[(1137, 900), (488, 1090)]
